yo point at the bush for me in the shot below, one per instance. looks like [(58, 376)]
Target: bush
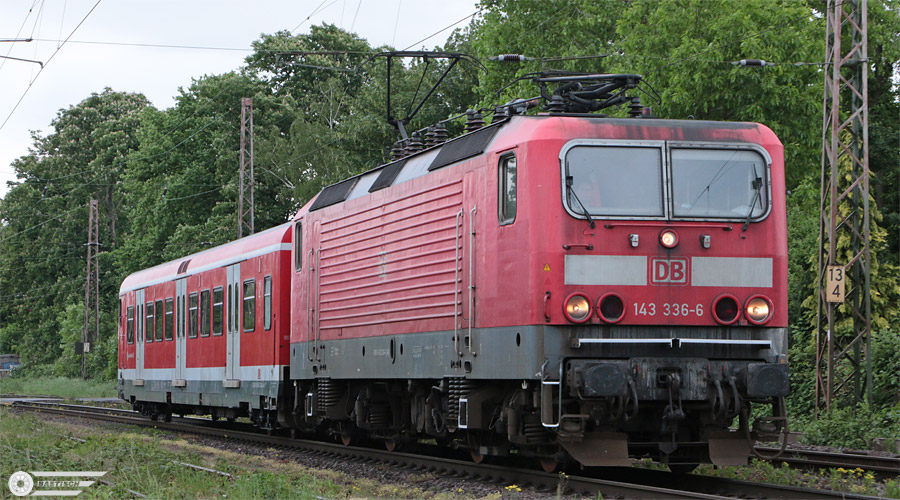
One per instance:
[(852, 427)]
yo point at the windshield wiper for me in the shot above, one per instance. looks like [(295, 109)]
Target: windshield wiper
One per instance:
[(757, 187), (584, 210)]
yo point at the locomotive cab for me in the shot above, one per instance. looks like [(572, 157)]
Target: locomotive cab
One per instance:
[(662, 277)]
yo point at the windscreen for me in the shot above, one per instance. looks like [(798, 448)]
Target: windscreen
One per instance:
[(615, 180), (718, 183)]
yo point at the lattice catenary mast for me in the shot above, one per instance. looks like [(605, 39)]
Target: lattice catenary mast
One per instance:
[(844, 312), (245, 197), (90, 332)]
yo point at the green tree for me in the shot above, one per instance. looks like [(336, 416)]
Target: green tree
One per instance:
[(44, 221)]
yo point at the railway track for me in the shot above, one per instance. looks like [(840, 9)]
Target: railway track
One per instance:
[(815, 458), (609, 482)]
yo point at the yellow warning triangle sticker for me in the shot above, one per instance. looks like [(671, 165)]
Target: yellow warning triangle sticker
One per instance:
[(546, 267)]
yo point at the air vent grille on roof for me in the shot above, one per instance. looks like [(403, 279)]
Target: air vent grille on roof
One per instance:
[(335, 193), (387, 175), (464, 147)]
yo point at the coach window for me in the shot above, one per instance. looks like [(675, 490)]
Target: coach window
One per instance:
[(204, 313), (249, 319), (507, 195), (170, 322), (218, 299), (267, 303), (158, 328), (148, 330), (129, 322), (192, 315), (298, 246)]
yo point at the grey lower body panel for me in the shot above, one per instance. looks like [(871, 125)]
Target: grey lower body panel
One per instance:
[(520, 353), (202, 392)]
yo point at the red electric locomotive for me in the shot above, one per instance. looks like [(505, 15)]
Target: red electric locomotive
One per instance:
[(208, 333), (565, 285)]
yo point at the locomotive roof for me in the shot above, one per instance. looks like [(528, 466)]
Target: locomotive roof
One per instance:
[(270, 240), (525, 127)]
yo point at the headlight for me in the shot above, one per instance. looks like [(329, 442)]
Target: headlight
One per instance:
[(668, 238), (758, 309), (577, 308), (610, 308)]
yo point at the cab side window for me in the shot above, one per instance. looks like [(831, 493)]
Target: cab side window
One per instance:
[(298, 246), (507, 194)]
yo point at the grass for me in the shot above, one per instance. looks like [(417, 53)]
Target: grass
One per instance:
[(855, 481), (59, 386), (143, 460)]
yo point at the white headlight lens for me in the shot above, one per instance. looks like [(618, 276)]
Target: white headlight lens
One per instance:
[(758, 309), (578, 308), (668, 238)]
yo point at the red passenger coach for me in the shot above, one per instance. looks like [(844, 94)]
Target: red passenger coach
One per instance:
[(208, 333)]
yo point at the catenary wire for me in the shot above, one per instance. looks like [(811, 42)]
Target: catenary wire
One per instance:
[(5, 121)]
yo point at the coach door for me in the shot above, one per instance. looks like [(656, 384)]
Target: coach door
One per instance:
[(233, 356), (180, 334), (139, 322)]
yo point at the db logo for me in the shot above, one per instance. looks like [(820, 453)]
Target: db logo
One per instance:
[(668, 271)]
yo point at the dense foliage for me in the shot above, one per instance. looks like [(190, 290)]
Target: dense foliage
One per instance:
[(167, 179)]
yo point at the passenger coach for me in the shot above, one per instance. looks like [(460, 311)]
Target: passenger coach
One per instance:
[(208, 333)]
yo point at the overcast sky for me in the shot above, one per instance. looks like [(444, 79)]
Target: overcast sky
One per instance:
[(77, 69)]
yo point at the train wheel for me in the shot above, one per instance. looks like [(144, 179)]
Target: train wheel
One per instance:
[(294, 433), (475, 448), (347, 433), (167, 417), (555, 462), (550, 465), (682, 468), (391, 444)]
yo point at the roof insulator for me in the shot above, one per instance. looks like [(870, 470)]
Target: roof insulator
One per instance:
[(429, 137), (500, 113), (413, 144), (556, 105), (397, 150), (635, 109), (440, 133), (474, 120)]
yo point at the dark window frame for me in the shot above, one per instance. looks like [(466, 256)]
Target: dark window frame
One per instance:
[(267, 303), (169, 330), (248, 312), (218, 310), (503, 199), (158, 322), (298, 246), (129, 325), (193, 314), (148, 322), (205, 309)]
